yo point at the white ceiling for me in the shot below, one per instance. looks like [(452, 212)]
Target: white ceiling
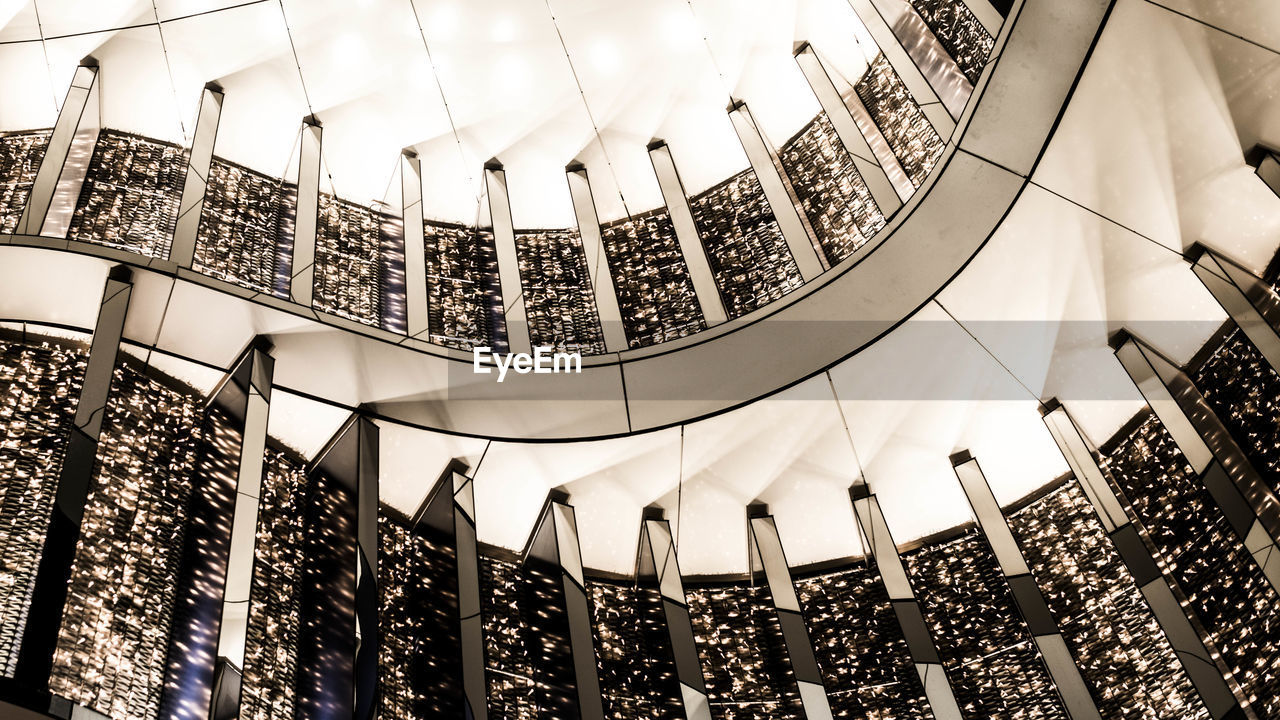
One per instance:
[(459, 81), (1147, 159)]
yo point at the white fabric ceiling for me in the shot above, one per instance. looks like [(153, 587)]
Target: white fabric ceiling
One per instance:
[(1147, 159), (459, 81)]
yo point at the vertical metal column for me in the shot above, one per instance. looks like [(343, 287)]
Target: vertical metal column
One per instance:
[(415, 252), (448, 513), (338, 628), (943, 95), (584, 209), (1070, 683), (866, 145), (554, 544), (74, 135), (252, 377), (185, 231), (764, 551), (695, 256), (49, 588), (464, 528), (1197, 659), (212, 601), (795, 229), (504, 239), (1251, 302), (893, 576), (656, 563), (302, 284), (1249, 505)]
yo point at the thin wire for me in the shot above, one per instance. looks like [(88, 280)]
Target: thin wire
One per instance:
[(288, 31), (1118, 224), (44, 47), (590, 116), (395, 169), (118, 28), (868, 549), (845, 421), (706, 41), (448, 112), (476, 470), (604, 150), (973, 337), (173, 86), (679, 493)]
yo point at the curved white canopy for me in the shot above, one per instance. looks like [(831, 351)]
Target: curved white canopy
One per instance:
[(1147, 159)]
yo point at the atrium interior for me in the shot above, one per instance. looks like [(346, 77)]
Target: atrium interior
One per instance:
[(914, 359)]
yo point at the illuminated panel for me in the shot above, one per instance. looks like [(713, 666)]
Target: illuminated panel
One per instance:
[(865, 663), (542, 603), (241, 228), (464, 297), (508, 665), (327, 602), (830, 190), (743, 654), (910, 135), (347, 267), (271, 642), (130, 195), (655, 293), (960, 32), (1115, 639), (39, 386), (995, 668), (120, 602), (560, 304), (749, 257), (1224, 586), (20, 156), (420, 672), (284, 245), (633, 652), (202, 576), (1244, 392), (391, 287)]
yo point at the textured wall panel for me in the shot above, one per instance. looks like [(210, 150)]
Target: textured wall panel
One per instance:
[(1224, 587), (271, 642), (130, 195), (749, 258), (829, 189), (20, 156), (864, 658), (1119, 646), (743, 654), (120, 603), (508, 662), (913, 140), (655, 293), (39, 386), (960, 32), (464, 297), (633, 653), (348, 272), (559, 301), (420, 651), (1244, 392), (995, 668), (242, 226)]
